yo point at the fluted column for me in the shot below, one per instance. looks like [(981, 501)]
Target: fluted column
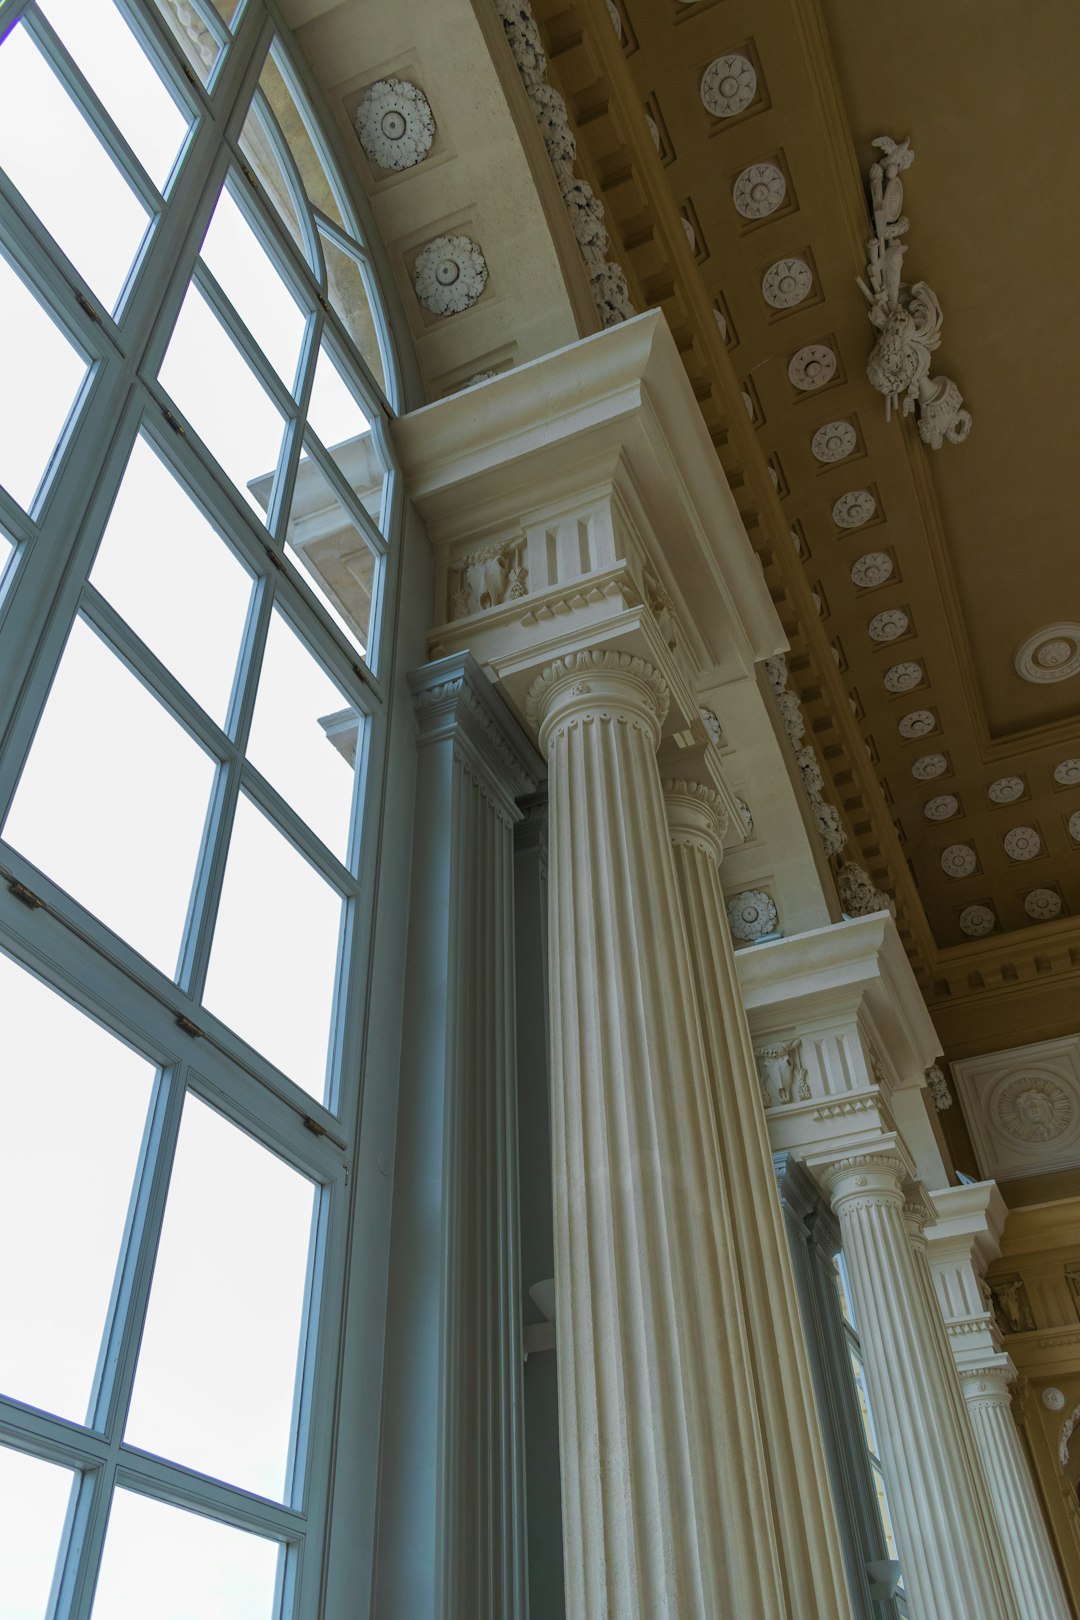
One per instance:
[(1021, 1525), (806, 1522), (665, 1499), (941, 1511)]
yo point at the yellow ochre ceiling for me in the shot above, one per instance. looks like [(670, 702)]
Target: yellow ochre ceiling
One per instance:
[(980, 537)]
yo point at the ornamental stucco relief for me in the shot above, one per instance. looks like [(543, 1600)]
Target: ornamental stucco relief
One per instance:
[(758, 192), (872, 569), (449, 275), (1074, 826), (745, 816), (888, 626), (859, 895), (943, 808), (854, 509), (833, 442), (751, 915), (1033, 1108), (928, 766), (1050, 654), (919, 723), (1067, 773), (1043, 904), (786, 283), (938, 1087), (977, 921), (1022, 844), (782, 1074), (395, 124), (903, 677), (728, 86), (812, 367), (1006, 790), (958, 860)]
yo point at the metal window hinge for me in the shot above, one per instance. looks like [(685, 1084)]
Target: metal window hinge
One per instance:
[(316, 1129), (322, 301), (189, 75), (177, 426), (27, 896), (358, 669), (87, 307), (249, 177), (188, 1027), (273, 559)]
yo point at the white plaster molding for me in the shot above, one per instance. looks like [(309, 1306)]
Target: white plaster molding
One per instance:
[(1050, 654), (786, 283), (449, 275), (759, 191), (728, 85), (812, 367), (395, 124), (1022, 1107)]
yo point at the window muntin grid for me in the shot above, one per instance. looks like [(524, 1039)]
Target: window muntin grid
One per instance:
[(50, 540)]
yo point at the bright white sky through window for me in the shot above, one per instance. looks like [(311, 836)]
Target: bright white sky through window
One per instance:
[(120, 828)]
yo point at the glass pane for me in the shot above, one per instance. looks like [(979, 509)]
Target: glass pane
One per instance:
[(165, 1562), (257, 291), (119, 70), (274, 957), (164, 567), (187, 23), (215, 1383), (42, 373), (33, 1505), (300, 723), (95, 1093), (113, 799), (348, 293), (51, 153), (326, 544), (295, 120), (337, 416), (221, 397), (258, 142)]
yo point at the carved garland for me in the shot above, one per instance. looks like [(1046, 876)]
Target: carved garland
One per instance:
[(606, 278)]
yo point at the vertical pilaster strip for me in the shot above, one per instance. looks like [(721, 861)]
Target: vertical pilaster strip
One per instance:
[(665, 1498), (944, 1523), (805, 1520), (453, 1465), (1034, 1568)]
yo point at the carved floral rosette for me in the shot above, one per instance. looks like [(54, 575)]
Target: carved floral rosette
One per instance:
[(395, 124), (607, 279)]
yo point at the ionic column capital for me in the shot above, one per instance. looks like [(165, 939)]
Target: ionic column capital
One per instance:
[(597, 684), (988, 1385), (862, 1180), (696, 816)]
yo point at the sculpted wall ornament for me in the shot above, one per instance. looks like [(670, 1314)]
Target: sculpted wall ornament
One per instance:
[(888, 626), (1043, 904), (1053, 1399), (928, 766), (902, 677), (1051, 654), (977, 921), (854, 509), (449, 275), (1022, 844), (745, 816), (938, 1087), (943, 808), (607, 280), (958, 860), (751, 915), (1006, 789), (759, 191), (907, 318), (395, 124), (728, 86), (812, 367), (787, 282), (918, 723), (712, 725), (859, 895), (1033, 1108), (488, 577), (872, 569), (1067, 773), (782, 1074), (1011, 1305), (833, 442)]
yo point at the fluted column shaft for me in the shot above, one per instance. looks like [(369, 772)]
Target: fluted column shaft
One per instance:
[(805, 1519), (1021, 1525), (942, 1515), (665, 1500)]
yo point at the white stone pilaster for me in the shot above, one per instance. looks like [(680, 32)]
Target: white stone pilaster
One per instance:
[(805, 1520), (944, 1524), (964, 1238), (452, 1474), (665, 1500)]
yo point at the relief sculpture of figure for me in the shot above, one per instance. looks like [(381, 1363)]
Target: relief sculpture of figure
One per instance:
[(907, 318)]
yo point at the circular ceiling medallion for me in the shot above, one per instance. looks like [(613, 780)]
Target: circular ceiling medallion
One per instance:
[(449, 275), (749, 403), (943, 808), (721, 324), (616, 20), (834, 441), (1067, 773), (888, 626), (902, 677), (786, 282), (958, 860), (1033, 1108), (872, 569), (917, 724), (927, 766), (854, 509), (1051, 654), (728, 86), (1022, 844), (691, 234), (812, 367), (1053, 1399), (1042, 904), (395, 124), (752, 914), (654, 130), (975, 921), (758, 192), (1006, 790), (1074, 826)]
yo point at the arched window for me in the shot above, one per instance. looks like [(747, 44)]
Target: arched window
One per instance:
[(198, 509)]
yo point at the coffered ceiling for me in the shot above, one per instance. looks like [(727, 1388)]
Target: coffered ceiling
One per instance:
[(929, 568)]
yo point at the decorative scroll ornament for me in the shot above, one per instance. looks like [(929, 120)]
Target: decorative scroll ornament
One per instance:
[(758, 192), (833, 442), (858, 893), (938, 1087), (395, 124), (1033, 1108), (928, 766), (787, 282), (906, 318), (872, 569), (1051, 654), (977, 921), (752, 914), (728, 86), (812, 367), (1043, 904), (888, 626), (958, 860), (449, 275)]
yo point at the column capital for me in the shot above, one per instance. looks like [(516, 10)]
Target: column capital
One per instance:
[(988, 1385), (859, 1180), (696, 816), (454, 700), (919, 1212), (597, 683)]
